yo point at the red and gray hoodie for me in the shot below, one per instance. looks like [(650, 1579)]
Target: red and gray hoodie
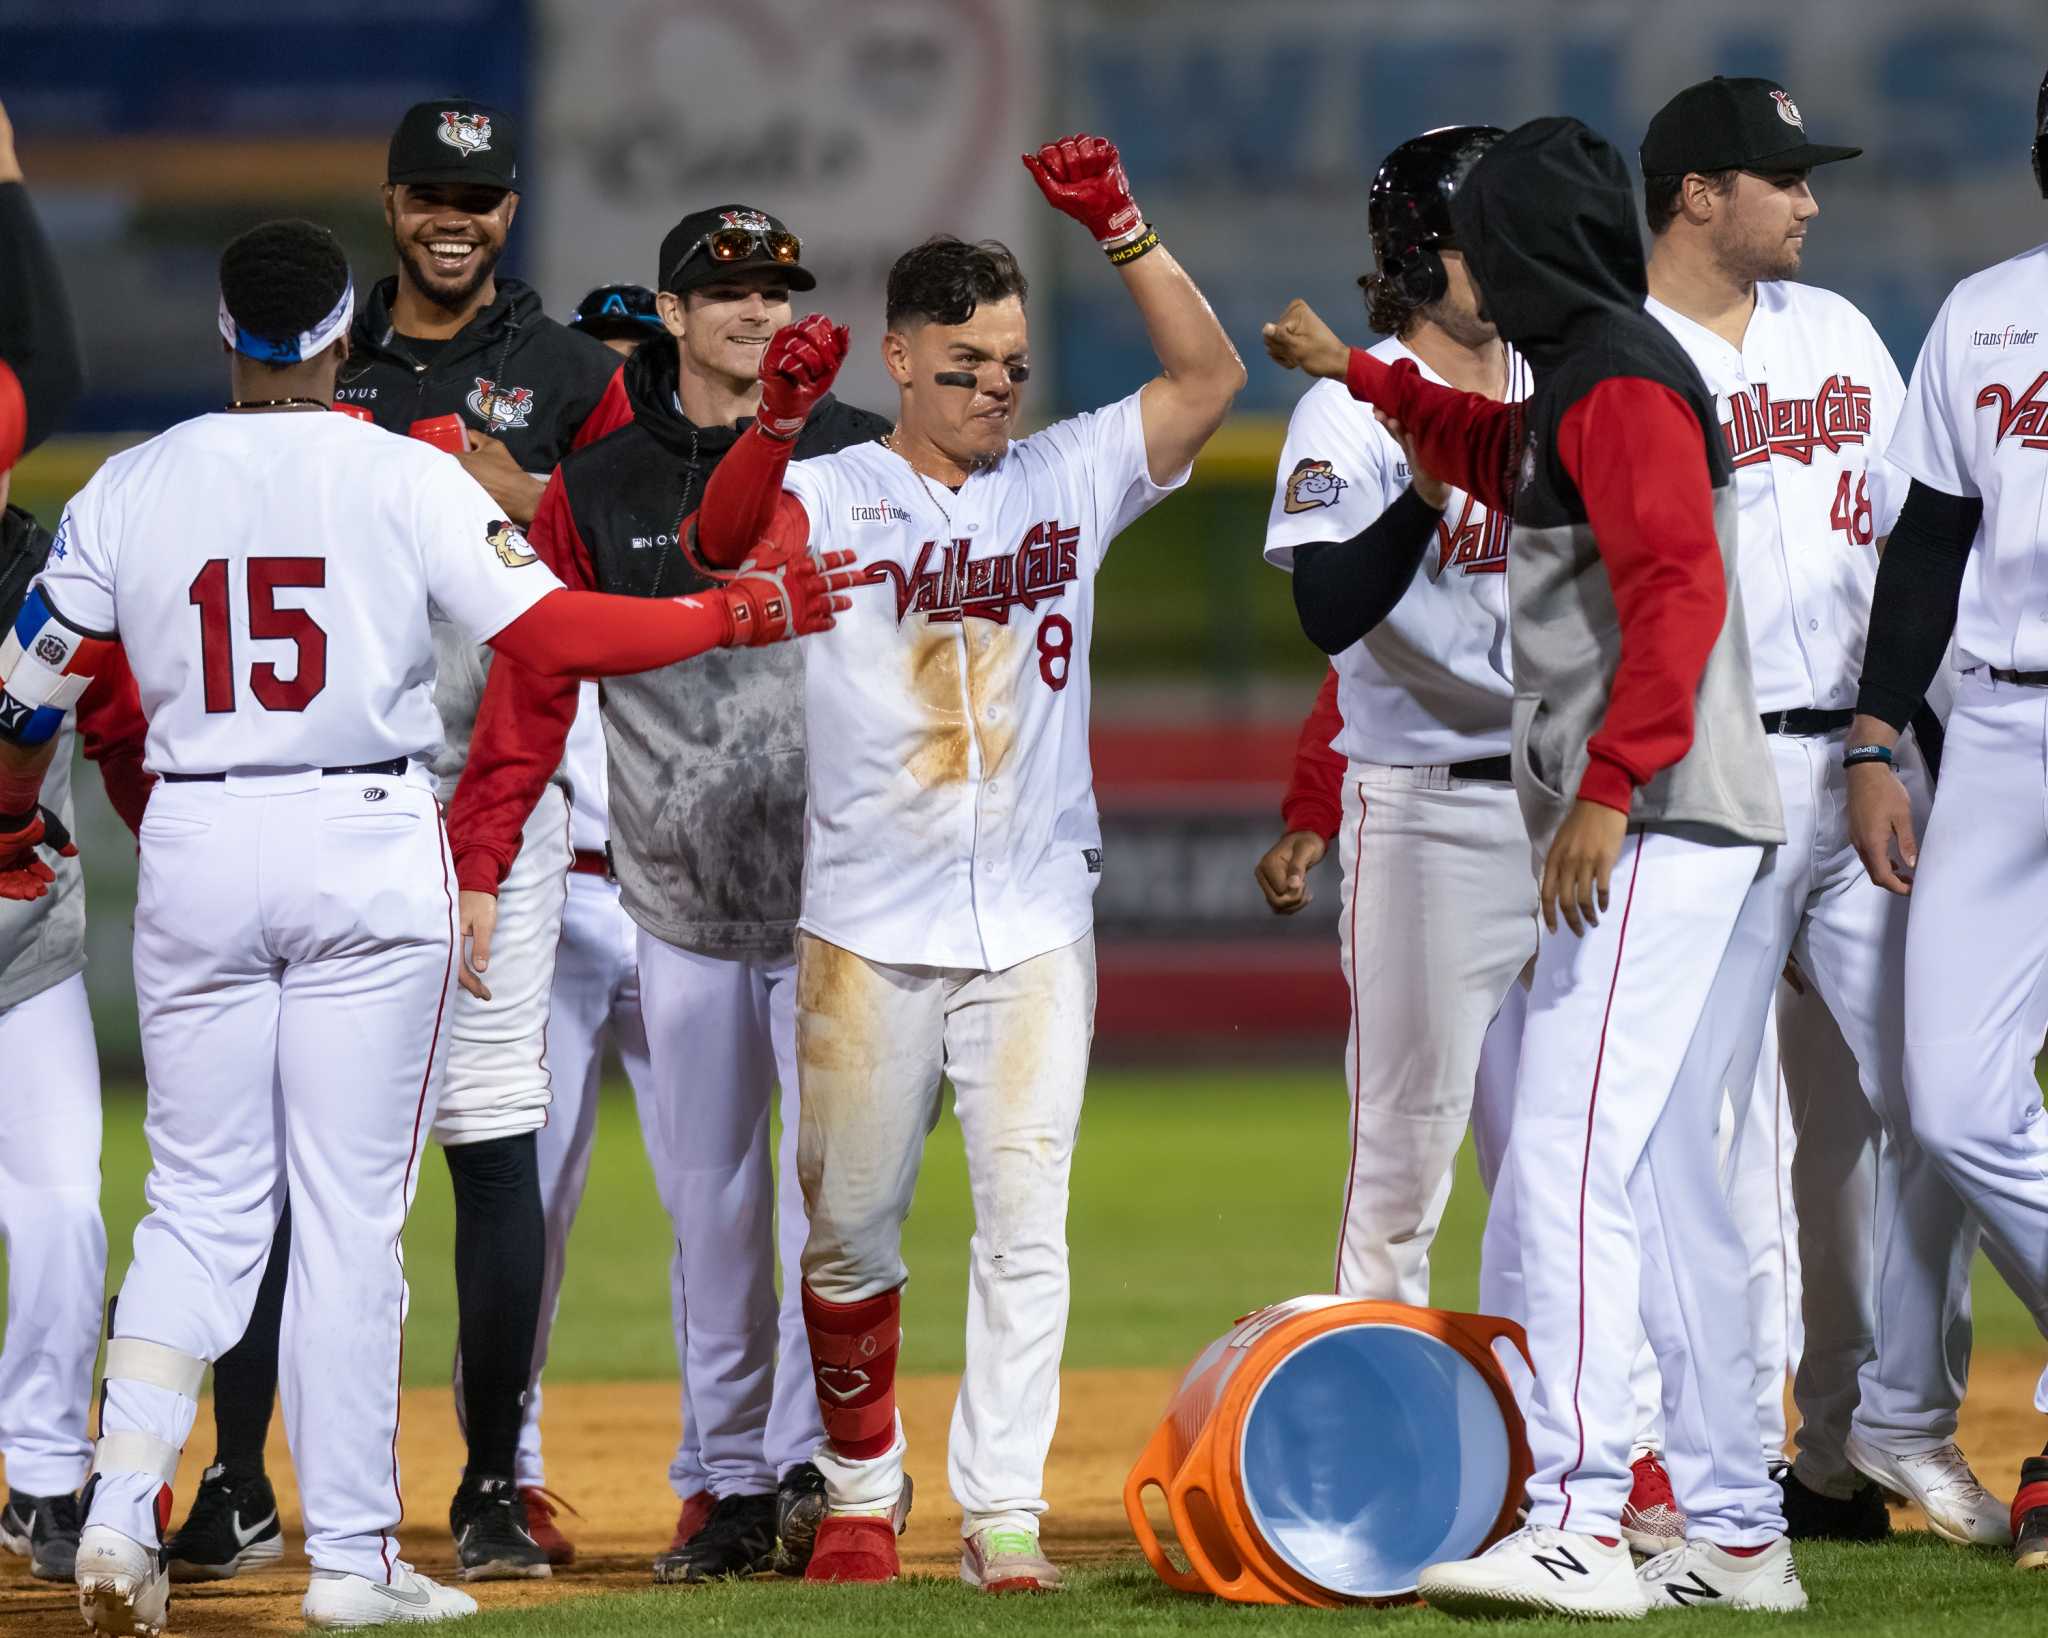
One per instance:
[(1631, 664)]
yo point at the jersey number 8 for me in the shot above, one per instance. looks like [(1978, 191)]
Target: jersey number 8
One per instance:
[(266, 620)]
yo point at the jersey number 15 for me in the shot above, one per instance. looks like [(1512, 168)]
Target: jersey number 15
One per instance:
[(266, 620)]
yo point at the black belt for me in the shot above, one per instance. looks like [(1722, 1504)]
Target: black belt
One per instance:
[(2029, 679), (1805, 723), (396, 766), (1494, 769)]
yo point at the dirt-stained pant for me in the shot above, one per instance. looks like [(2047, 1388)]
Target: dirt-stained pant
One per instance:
[(873, 1044)]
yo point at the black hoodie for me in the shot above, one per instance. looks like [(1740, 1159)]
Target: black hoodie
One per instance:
[(1663, 725), (706, 756)]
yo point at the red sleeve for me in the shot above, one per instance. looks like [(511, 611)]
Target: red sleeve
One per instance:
[(112, 726), (556, 540), (13, 416), (740, 500), (1464, 438), (1315, 795), (611, 412), (593, 634), (1634, 449)]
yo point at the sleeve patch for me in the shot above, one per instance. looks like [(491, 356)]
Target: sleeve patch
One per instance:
[(1312, 483), (504, 538)]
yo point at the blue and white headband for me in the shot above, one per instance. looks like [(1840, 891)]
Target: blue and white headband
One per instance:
[(295, 349)]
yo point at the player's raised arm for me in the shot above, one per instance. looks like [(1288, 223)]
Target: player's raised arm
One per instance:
[(1200, 372)]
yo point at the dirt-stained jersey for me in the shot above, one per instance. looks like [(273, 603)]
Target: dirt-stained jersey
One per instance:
[(272, 578), (951, 801)]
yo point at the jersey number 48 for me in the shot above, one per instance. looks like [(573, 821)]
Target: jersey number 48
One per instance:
[(266, 620)]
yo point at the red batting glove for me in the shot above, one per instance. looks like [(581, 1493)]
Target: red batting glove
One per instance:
[(1084, 176), (23, 874), (797, 368), (790, 595)]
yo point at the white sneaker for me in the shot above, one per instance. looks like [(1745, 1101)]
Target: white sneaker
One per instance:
[(1004, 1559), (337, 1600), (1941, 1485), (122, 1587), (1701, 1573), (1541, 1569)]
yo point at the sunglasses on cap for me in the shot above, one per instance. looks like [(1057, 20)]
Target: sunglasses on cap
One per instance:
[(727, 245)]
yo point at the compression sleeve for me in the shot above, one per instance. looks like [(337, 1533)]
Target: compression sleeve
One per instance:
[(595, 634), (1343, 589), (1315, 793), (1464, 438), (1913, 611), (113, 730), (740, 500)]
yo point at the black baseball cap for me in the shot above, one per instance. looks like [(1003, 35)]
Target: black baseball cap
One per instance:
[(1732, 125), (687, 261), (455, 139), (617, 310)]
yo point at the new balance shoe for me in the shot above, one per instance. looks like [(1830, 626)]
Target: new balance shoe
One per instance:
[(860, 1546), (122, 1588), (799, 1510), (43, 1530), (232, 1527), (1003, 1559), (540, 1503), (1650, 1520), (1699, 1574), (1813, 1515), (337, 1600), (1540, 1570), (488, 1522), (1939, 1483), (737, 1540), (2030, 1516)]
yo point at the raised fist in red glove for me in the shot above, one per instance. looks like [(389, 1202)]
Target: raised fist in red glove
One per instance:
[(797, 368), (1084, 176), (782, 594), (23, 874)]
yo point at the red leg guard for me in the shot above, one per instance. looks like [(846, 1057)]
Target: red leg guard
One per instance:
[(853, 1358)]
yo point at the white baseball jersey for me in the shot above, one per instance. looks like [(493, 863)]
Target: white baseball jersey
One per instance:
[(1429, 684), (951, 800), (1976, 424), (1807, 404), (308, 647)]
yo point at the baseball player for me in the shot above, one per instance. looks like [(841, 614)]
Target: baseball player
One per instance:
[(1972, 440), (1807, 396), (707, 840), (50, 1163), (295, 923), (951, 842), (460, 358), (619, 315), (1647, 792)]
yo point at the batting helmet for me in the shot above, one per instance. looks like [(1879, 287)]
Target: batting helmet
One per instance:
[(1408, 211), (2041, 138)]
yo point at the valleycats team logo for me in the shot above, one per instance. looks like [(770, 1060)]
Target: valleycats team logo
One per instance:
[(1760, 426), (1312, 483), (749, 221), (945, 583), (2026, 415), (504, 538), (502, 407), (1475, 545), (466, 133)]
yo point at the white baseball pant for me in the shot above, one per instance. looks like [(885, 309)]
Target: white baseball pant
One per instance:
[(293, 972), (875, 1042), (1437, 919), (56, 1244), (721, 1036)]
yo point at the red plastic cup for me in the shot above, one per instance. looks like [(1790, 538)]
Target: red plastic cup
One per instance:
[(443, 432)]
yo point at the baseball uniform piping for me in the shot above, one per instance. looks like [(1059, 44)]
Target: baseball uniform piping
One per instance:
[(1357, 1044)]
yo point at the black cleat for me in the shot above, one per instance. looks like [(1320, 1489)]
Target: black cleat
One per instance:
[(488, 1521), (1811, 1516), (43, 1530), (799, 1510), (2030, 1516), (737, 1540), (232, 1527)]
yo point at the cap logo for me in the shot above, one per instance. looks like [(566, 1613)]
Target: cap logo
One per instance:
[(1788, 110), (466, 133), (752, 221)]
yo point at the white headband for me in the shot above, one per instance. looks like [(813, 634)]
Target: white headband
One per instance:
[(297, 349)]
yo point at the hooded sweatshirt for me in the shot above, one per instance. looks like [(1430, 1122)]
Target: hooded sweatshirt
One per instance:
[(1631, 664), (706, 756)]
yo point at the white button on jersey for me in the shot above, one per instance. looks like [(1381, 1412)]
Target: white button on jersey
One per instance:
[(1429, 684), (272, 578), (1807, 405), (1976, 423), (952, 805)]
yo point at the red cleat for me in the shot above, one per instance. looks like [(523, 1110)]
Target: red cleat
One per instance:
[(854, 1547), (1650, 1520), (695, 1515), (540, 1504)]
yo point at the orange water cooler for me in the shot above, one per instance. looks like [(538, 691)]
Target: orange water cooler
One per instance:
[(1324, 1451)]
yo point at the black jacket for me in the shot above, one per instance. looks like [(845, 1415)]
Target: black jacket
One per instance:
[(511, 371)]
